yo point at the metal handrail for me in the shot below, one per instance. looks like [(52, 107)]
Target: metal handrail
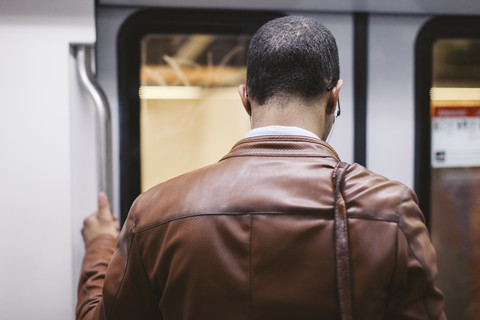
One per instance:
[(84, 54)]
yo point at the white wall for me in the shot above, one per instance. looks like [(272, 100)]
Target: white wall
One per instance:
[(36, 240)]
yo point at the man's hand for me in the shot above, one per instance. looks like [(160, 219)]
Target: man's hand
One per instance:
[(100, 222)]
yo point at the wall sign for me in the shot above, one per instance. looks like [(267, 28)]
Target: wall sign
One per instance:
[(455, 136)]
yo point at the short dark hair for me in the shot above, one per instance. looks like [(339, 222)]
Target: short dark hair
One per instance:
[(294, 55)]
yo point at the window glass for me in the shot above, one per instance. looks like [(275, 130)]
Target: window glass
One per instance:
[(455, 173), (190, 111)]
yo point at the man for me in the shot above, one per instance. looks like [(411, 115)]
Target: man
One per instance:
[(252, 237)]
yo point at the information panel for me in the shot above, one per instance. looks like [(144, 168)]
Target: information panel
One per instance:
[(455, 137)]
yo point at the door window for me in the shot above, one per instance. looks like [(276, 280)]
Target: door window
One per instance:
[(455, 166), (190, 111), (452, 87)]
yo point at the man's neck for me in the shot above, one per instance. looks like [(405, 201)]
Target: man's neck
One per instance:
[(308, 114)]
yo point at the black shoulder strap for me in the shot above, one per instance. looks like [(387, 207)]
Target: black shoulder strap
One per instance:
[(342, 254)]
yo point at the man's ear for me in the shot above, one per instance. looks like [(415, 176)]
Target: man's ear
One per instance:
[(242, 91), (334, 93)]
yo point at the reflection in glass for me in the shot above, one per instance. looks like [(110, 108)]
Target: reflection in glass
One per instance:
[(190, 113), (455, 160)]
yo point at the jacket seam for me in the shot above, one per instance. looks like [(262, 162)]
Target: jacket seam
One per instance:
[(279, 139), (134, 211), (419, 261), (356, 216), (285, 138), (275, 155), (404, 199), (123, 278), (251, 266), (233, 213), (274, 137), (391, 285), (144, 269)]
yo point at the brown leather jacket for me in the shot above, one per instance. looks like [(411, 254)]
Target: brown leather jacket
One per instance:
[(251, 238)]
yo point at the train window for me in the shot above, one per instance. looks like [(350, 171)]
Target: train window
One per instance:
[(190, 113), (178, 77), (448, 161)]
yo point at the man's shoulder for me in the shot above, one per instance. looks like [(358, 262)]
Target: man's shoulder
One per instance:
[(357, 173), (173, 199), (372, 196)]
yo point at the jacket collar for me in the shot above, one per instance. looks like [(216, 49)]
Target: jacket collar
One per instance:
[(282, 146)]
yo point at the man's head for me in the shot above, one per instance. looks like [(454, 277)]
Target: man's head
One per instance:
[(291, 55), (292, 76)]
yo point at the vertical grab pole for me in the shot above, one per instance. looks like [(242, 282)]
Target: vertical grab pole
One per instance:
[(84, 54)]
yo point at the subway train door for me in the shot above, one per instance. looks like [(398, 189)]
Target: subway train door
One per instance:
[(178, 72), (448, 155)]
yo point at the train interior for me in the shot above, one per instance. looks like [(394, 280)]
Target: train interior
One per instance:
[(120, 95)]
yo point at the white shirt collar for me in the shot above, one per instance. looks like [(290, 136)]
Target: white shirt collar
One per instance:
[(280, 131)]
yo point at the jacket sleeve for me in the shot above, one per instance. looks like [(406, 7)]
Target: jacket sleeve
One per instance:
[(413, 293), (95, 263), (113, 283)]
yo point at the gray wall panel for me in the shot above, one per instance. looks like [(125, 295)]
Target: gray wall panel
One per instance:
[(390, 96)]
